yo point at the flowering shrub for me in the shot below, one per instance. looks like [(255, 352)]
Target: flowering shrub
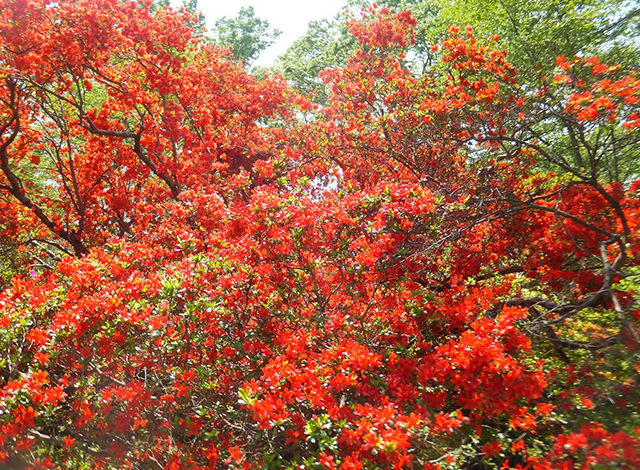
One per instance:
[(218, 274)]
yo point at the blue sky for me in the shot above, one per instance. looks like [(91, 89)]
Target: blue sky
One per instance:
[(289, 16)]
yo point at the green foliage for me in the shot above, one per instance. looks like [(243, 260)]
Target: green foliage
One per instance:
[(246, 34), (326, 44), (536, 32)]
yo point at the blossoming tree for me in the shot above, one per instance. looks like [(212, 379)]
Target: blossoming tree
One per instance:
[(217, 273)]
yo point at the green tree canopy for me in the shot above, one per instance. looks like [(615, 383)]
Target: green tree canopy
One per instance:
[(246, 34)]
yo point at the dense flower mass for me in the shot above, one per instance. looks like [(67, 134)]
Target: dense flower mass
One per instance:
[(212, 271)]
